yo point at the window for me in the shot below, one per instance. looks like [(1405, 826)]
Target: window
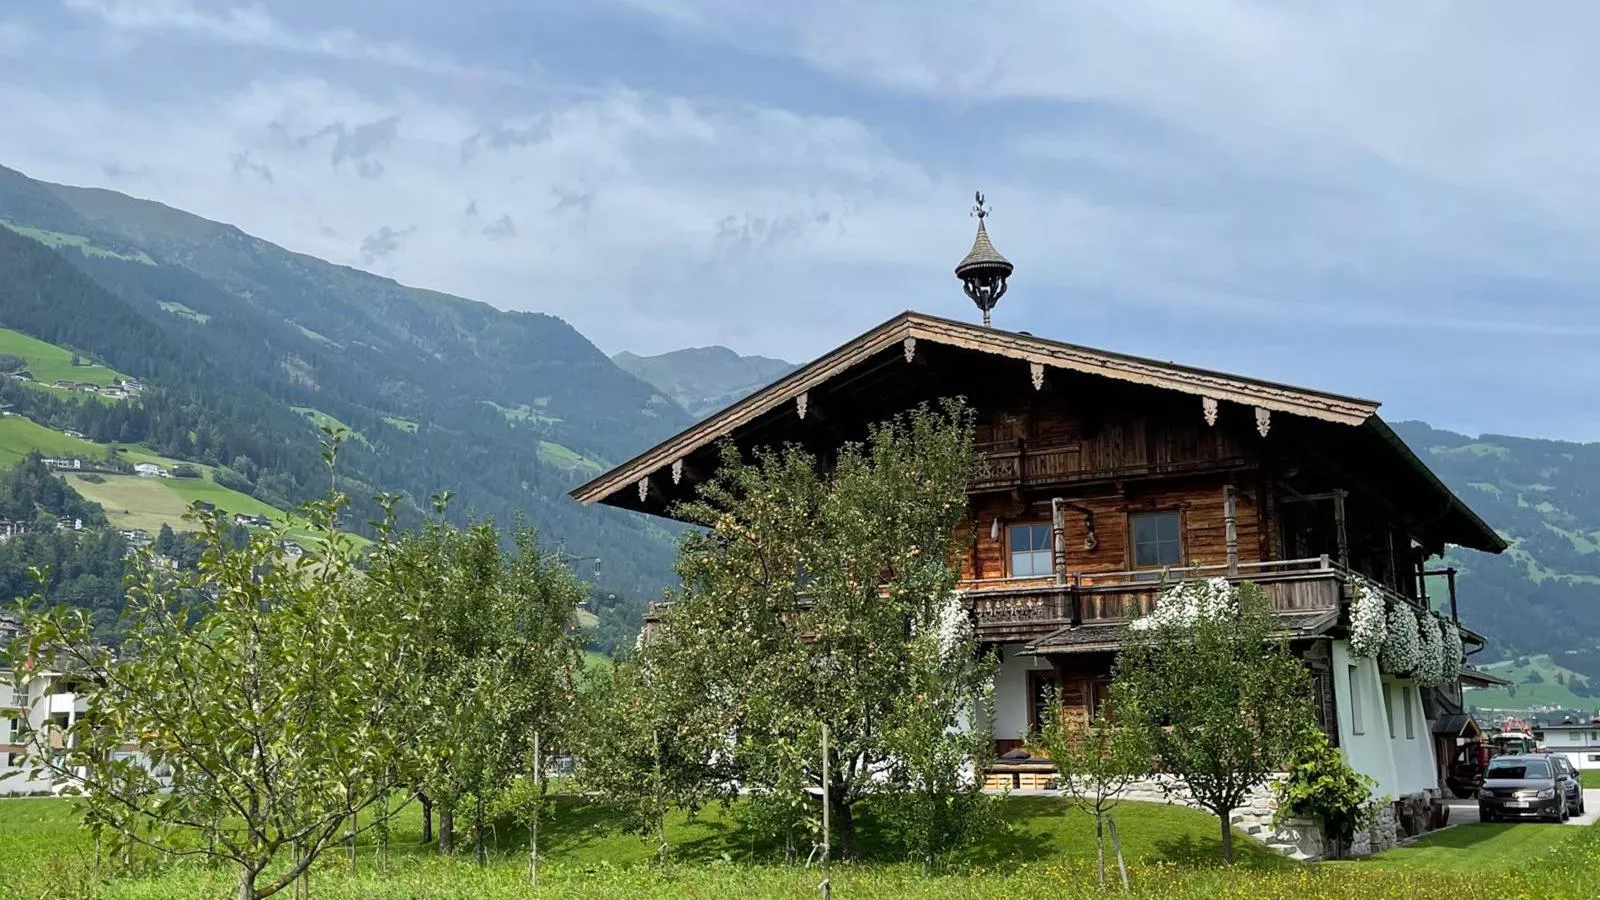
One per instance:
[(1030, 550), (1356, 725), (1156, 540), (1100, 697), (1411, 729), (1388, 706), (1594, 757), (1519, 769)]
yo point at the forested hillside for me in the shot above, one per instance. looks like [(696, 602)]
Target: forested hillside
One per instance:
[(245, 347), (1543, 595)]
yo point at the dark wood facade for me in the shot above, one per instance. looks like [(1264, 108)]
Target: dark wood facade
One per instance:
[(1100, 477)]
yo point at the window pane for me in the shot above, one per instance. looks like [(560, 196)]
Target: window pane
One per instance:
[(1144, 529), (1156, 540), (1145, 555)]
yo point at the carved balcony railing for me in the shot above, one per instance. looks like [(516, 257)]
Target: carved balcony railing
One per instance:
[(1010, 609), (1003, 463)]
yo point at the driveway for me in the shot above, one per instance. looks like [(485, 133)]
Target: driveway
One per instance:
[(1463, 812)]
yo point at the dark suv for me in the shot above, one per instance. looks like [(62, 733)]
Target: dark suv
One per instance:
[(1524, 786), (1574, 784)]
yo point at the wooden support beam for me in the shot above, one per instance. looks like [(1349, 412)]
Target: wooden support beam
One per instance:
[(1339, 524), (1230, 525)]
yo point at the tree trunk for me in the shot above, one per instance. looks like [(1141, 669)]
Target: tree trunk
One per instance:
[(1100, 848), (247, 883), (447, 830), (1227, 836), (427, 817), (844, 825)]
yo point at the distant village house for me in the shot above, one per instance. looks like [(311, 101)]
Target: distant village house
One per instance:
[(149, 470)]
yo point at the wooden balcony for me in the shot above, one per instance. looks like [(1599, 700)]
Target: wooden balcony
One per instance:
[(1016, 463), (1012, 610), (1007, 463)]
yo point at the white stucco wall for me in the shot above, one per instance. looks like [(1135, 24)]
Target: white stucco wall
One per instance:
[(1399, 765), (1415, 768), (1011, 692)]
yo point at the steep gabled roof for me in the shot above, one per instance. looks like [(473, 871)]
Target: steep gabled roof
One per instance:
[(908, 327)]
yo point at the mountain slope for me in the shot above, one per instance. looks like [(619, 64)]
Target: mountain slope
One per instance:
[(703, 380), (235, 333), (1542, 595)]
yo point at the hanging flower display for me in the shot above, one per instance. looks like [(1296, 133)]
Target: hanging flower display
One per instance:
[(1402, 645), (1454, 653), (1190, 601), (1368, 619), (1430, 671)]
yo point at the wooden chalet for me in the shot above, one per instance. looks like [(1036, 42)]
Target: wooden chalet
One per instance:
[(1100, 478)]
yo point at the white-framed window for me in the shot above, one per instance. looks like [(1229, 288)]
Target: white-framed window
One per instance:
[(1031, 549), (1353, 684), (1594, 757), (1157, 539)]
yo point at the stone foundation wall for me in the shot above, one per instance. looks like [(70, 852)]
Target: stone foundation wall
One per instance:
[(1296, 838)]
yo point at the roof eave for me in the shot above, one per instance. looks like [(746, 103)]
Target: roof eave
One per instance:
[(1056, 354)]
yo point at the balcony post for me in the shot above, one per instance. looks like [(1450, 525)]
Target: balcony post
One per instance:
[(1231, 527), (1450, 578), (1338, 522)]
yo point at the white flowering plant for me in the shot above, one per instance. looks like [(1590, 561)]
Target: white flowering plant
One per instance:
[(1402, 644), (1368, 618), (1190, 601), (1454, 652), (1430, 671)]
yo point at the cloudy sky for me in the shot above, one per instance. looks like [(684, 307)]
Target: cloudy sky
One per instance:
[(1397, 201)]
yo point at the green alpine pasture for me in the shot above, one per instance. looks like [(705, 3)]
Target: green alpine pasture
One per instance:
[(49, 363)]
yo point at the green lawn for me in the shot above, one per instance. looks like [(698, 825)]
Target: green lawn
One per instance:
[(1473, 848), (1590, 778), (49, 363), (405, 425), (1041, 851)]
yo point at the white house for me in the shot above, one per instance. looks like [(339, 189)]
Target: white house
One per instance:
[(1578, 741), (149, 470)]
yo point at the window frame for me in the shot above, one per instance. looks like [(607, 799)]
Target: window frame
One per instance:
[(1411, 728), (1388, 706), (1133, 550), (1035, 713), (1357, 723), (1048, 551)]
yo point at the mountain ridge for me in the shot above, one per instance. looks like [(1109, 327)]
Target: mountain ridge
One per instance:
[(704, 380)]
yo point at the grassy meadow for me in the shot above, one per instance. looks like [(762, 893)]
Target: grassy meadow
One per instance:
[(1041, 850), (49, 363)]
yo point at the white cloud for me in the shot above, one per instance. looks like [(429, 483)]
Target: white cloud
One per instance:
[(1341, 197), (253, 26)]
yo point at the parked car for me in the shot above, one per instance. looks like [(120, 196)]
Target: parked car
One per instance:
[(1574, 785), (1523, 786)]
